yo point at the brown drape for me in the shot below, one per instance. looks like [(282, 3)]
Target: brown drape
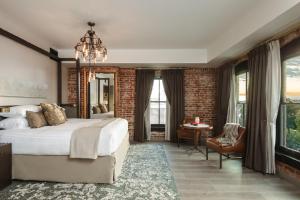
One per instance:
[(173, 81), (224, 78), (256, 109), (144, 83)]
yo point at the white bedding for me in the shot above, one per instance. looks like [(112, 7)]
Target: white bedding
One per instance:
[(55, 140)]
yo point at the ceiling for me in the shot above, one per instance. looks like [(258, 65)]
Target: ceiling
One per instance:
[(198, 25), (130, 24)]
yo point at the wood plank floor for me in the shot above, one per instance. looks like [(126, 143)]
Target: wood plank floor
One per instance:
[(197, 178)]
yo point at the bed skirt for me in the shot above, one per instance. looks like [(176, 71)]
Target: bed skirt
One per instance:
[(105, 169)]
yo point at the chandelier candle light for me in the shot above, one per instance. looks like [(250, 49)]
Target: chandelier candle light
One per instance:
[(91, 49)]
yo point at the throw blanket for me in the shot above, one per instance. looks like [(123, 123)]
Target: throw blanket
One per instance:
[(84, 141), (230, 134)]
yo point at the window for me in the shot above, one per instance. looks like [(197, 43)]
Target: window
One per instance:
[(158, 104), (290, 105), (242, 89)]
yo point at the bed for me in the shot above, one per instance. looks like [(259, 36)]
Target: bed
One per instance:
[(43, 154)]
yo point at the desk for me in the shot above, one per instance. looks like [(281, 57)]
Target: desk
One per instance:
[(5, 165)]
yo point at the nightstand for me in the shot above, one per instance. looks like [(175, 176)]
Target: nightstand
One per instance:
[(5, 165)]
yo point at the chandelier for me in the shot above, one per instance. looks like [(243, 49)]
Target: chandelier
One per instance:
[(91, 49)]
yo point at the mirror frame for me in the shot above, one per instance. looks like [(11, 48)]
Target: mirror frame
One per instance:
[(85, 88)]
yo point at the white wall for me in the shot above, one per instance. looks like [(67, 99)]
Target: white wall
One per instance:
[(24, 64)]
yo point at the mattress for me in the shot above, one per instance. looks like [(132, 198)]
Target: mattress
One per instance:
[(55, 140), (103, 115)]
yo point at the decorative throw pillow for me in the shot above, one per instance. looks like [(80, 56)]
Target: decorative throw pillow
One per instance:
[(96, 110), (53, 114), (36, 119), (103, 108)]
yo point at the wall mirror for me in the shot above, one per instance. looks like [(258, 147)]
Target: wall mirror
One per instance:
[(102, 96)]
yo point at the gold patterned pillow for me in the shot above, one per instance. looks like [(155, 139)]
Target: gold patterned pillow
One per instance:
[(53, 114), (36, 119), (96, 110), (103, 108)]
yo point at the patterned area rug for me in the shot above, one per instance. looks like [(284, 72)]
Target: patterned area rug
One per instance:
[(145, 175)]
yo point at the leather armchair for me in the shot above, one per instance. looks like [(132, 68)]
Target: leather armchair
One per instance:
[(238, 147), (184, 133)]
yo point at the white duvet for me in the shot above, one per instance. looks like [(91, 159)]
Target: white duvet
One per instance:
[(55, 140)]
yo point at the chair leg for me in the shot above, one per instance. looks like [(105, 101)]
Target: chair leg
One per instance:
[(178, 142), (220, 161), (206, 153)]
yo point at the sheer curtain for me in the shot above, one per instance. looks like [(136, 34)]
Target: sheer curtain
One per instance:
[(147, 123), (167, 125), (273, 85), (232, 112)]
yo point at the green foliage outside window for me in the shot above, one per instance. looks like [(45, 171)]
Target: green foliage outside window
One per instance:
[(293, 126)]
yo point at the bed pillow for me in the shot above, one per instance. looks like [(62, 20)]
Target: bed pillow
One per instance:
[(22, 109), (103, 108), (14, 123), (54, 114), (9, 114), (36, 119)]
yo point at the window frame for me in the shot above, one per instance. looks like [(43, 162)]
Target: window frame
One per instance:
[(282, 153), (158, 127), (241, 68)]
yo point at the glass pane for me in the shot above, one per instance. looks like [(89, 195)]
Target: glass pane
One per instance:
[(240, 113), (290, 113), (162, 92), (155, 91), (292, 80), (94, 93), (241, 80), (154, 112), (162, 113), (292, 127)]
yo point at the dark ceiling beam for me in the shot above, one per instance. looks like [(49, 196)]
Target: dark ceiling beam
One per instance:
[(27, 44), (68, 59), (53, 55)]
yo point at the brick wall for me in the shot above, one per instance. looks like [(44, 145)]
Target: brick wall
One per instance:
[(200, 93), (126, 107), (288, 172), (72, 85)]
